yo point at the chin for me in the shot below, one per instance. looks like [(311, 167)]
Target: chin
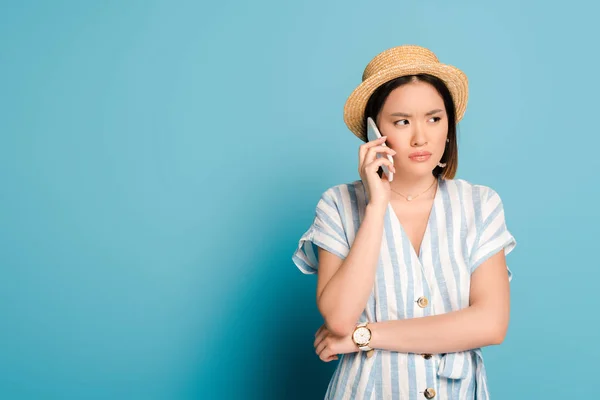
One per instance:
[(424, 169)]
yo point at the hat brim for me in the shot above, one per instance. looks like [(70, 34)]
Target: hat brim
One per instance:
[(454, 78)]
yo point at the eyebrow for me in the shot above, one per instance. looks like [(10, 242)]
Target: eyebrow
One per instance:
[(401, 114)]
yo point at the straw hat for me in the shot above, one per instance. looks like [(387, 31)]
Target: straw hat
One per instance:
[(397, 62)]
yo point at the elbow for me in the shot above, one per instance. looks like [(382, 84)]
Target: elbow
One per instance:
[(339, 326), (493, 325), (498, 333), (336, 322), (497, 339)]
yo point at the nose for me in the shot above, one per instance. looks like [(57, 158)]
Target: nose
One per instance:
[(418, 138)]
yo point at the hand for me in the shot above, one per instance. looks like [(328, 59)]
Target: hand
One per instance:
[(328, 346), (378, 189)]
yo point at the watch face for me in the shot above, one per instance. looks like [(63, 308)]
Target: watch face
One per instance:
[(362, 335)]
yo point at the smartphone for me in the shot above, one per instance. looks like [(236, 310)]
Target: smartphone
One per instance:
[(374, 134)]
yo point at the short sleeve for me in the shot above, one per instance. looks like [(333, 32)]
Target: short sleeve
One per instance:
[(493, 234), (326, 232)]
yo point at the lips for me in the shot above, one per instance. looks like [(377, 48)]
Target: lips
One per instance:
[(419, 154)]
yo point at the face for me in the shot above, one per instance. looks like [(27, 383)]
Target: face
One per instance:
[(414, 119)]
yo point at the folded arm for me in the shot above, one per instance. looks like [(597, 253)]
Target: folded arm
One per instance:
[(483, 323)]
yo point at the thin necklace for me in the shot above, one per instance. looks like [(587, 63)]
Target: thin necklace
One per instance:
[(409, 198)]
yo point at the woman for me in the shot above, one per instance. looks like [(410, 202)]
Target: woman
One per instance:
[(420, 259)]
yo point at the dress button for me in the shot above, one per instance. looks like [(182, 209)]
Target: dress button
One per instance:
[(422, 302), (426, 356), (429, 393)]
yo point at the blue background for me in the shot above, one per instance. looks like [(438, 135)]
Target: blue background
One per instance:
[(159, 161)]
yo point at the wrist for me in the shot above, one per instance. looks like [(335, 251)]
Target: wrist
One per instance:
[(377, 208)]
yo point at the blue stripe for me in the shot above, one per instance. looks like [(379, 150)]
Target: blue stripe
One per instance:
[(341, 205), (499, 232), (490, 253), (467, 363), (303, 265), (357, 379), (372, 378), (450, 359), (327, 247), (326, 232), (339, 394), (331, 225), (455, 389), (491, 217), (491, 193), (395, 267), (331, 203), (354, 205), (470, 378), (343, 363)]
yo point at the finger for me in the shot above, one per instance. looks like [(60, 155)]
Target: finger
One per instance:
[(365, 147), (328, 355), (373, 151), (321, 347), (319, 330), (378, 163), (362, 150), (325, 354), (320, 337), (330, 358)]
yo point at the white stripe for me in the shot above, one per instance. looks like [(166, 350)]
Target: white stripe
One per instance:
[(386, 374), (445, 256), (464, 275)]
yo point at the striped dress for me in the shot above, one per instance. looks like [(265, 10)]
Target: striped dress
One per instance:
[(466, 226)]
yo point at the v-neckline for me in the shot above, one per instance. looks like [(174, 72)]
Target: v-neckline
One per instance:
[(427, 227)]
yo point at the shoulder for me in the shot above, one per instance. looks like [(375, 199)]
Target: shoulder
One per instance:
[(346, 198), (470, 193), (346, 192), (478, 202)]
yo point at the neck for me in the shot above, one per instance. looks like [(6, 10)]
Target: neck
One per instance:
[(413, 185)]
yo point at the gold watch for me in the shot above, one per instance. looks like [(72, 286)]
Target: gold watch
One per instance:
[(362, 336)]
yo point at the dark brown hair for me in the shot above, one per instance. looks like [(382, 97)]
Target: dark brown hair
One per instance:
[(450, 156)]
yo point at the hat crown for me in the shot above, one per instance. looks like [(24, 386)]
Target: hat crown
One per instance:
[(405, 54)]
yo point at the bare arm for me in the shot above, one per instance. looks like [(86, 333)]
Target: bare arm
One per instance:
[(483, 323), (343, 287)]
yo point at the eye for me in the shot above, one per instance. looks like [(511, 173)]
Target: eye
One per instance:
[(437, 119), (401, 121)]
